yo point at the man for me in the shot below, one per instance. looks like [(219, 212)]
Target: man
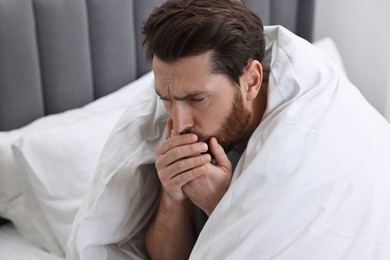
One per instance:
[(249, 144), (208, 74), (207, 61)]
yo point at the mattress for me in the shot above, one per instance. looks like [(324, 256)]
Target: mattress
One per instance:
[(14, 247)]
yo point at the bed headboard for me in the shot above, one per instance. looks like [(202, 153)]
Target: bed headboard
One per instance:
[(59, 55)]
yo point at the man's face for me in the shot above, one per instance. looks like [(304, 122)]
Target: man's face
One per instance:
[(200, 102)]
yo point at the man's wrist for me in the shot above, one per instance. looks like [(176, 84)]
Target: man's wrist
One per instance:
[(168, 203)]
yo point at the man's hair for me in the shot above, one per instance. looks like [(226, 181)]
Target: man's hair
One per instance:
[(184, 28)]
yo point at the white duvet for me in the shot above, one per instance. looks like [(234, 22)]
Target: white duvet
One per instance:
[(313, 182)]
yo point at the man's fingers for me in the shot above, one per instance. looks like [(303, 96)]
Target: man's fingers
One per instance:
[(191, 163), (176, 141), (179, 153), (219, 154), (184, 178), (183, 166), (185, 151)]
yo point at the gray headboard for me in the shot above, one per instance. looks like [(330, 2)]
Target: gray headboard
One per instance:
[(63, 54)]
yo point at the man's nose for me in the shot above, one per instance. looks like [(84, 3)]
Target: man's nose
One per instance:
[(182, 118)]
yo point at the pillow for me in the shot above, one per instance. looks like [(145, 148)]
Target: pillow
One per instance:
[(55, 138), (11, 201), (59, 163), (9, 183)]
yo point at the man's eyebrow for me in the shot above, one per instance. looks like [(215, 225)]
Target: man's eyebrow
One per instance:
[(181, 98)]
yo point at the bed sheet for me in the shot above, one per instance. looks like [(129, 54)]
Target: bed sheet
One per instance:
[(14, 246)]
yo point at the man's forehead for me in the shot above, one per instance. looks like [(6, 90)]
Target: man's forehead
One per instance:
[(187, 66), (180, 78), (178, 90)]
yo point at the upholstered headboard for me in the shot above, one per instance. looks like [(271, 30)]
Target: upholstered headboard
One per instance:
[(59, 55)]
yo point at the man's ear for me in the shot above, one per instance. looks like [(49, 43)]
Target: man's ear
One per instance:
[(252, 78)]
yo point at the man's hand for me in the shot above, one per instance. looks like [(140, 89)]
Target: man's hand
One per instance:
[(208, 189), (179, 161)]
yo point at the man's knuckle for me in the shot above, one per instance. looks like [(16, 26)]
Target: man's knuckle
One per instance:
[(203, 169), (194, 149), (189, 138), (200, 160), (174, 183), (174, 153), (157, 164), (199, 170), (181, 165), (158, 151)]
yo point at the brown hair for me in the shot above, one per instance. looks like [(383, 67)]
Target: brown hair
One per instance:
[(183, 28)]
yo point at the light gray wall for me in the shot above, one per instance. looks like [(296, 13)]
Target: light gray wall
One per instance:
[(387, 111), (360, 29)]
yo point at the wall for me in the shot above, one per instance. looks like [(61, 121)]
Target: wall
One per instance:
[(387, 113), (360, 31)]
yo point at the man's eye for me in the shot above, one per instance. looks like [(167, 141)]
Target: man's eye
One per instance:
[(163, 99), (166, 101), (198, 100)]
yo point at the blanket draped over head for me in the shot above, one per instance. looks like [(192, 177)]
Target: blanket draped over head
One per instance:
[(313, 182)]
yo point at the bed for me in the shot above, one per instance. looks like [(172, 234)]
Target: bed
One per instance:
[(68, 70)]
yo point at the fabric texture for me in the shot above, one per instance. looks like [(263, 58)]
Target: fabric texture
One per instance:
[(313, 182), (314, 179), (60, 163), (14, 247), (120, 187), (328, 46), (44, 180)]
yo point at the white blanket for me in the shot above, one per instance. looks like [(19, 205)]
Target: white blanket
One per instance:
[(313, 182)]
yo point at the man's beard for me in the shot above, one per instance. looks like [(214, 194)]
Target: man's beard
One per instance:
[(232, 128)]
